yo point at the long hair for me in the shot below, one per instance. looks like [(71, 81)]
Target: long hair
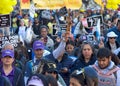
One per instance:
[(81, 49), (51, 80)]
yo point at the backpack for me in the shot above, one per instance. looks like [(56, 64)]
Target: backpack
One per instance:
[(108, 79)]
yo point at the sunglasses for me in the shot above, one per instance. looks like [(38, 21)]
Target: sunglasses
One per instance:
[(112, 37)]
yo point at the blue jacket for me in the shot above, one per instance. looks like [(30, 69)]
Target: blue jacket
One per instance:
[(65, 62), (80, 63)]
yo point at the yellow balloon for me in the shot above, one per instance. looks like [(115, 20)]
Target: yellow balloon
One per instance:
[(35, 15), (4, 2), (13, 2)]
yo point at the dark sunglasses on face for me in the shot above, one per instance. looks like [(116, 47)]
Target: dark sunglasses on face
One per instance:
[(52, 72), (112, 37)]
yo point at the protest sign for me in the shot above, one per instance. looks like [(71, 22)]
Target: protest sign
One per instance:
[(5, 20), (62, 11), (32, 10), (46, 14), (9, 39), (92, 21)]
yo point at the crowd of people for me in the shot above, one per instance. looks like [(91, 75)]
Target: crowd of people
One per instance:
[(45, 57)]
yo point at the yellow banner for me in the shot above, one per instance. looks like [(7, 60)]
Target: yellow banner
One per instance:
[(73, 4), (100, 3), (25, 4), (57, 4), (49, 4)]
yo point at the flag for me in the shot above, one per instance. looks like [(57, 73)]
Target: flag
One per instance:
[(98, 33)]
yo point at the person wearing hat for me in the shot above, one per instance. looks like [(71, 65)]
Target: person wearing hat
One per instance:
[(111, 43), (84, 77), (38, 48), (9, 70), (50, 68), (32, 65), (37, 80)]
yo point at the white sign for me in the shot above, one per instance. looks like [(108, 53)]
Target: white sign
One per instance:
[(9, 39), (32, 10)]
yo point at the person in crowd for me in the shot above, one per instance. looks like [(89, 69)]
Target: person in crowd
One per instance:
[(87, 57), (112, 43), (1, 33), (17, 62), (37, 80), (49, 43), (29, 34), (117, 52), (116, 30), (84, 77), (7, 69), (51, 80), (115, 59), (38, 48), (64, 63), (36, 25), (26, 19), (22, 29), (49, 68), (70, 49), (14, 24), (108, 72)]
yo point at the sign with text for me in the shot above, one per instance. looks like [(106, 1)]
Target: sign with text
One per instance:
[(9, 39), (92, 21), (46, 14), (63, 11), (4, 20)]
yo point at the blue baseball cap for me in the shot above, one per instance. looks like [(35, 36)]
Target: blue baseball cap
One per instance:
[(38, 45), (8, 53)]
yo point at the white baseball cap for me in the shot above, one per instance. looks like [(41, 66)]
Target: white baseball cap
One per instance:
[(111, 34)]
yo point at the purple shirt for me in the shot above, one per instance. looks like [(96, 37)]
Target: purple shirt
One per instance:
[(10, 75)]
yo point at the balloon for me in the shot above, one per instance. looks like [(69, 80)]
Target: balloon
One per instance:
[(7, 6), (113, 4), (4, 2), (35, 15)]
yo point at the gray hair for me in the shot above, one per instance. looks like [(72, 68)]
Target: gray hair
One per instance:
[(6, 45)]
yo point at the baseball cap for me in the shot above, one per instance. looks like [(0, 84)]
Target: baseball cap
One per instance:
[(112, 34), (8, 53), (38, 45), (35, 81)]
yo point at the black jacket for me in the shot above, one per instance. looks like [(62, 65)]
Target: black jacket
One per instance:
[(107, 45)]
